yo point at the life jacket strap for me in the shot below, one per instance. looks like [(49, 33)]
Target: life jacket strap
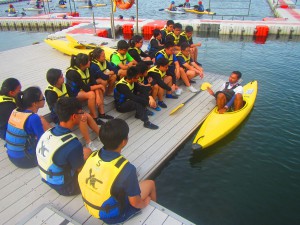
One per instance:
[(107, 208), (50, 173)]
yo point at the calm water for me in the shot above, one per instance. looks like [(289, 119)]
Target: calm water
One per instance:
[(149, 9), (253, 175)]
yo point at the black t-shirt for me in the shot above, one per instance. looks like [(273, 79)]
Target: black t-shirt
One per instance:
[(5, 110)]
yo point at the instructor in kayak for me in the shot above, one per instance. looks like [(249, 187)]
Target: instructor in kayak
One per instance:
[(231, 93)]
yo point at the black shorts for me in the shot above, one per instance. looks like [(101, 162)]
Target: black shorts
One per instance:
[(228, 95)]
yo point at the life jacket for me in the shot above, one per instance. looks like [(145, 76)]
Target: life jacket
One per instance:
[(96, 180), (102, 66), (119, 97), (60, 93), (137, 49), (176, 38), (186, 59), (123, 58), (150, 48), (4, 98), (141, 80), (17, 138), (47, 146), (85, 76), (156, 70), (168, 57), (188, 39), (230, 91)]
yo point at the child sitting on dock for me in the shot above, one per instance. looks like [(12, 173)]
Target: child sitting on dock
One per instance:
[(166, 30), (174, 69), (113, 193), (175, 36), (136, 43), (8, 92), (58, 89), (191, 69), (162, 82), (155, 43), (122, 59), (85, 88), (60, 155), (187, 36), (126, 99), (103, 71), (25, 127)]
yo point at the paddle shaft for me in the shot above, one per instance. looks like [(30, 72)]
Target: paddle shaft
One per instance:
[(192, 97)]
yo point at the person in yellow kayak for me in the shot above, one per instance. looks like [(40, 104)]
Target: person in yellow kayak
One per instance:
[(11, 9), (108, 181), (230, 94), (187, 4), (200, 7)]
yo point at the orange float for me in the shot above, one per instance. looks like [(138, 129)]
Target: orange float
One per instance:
[(121, 4)]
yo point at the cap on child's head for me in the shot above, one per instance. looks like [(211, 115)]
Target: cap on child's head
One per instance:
[(200, 2), (172, 2)]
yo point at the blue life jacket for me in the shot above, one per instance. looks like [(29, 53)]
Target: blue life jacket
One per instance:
[(17, 138)]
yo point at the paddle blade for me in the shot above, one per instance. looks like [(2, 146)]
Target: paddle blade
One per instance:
[(71, 39), (161, 9), (177, 108), (205, 85)]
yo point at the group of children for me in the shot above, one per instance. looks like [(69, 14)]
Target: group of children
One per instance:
[(136, 79)]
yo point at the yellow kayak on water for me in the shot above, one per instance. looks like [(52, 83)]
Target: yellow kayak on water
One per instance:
[(198, 12), (73, 47), (91, 6), (216, 126)]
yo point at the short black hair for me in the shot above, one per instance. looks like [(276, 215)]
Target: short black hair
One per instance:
[(169, 44), (170, 22), (162, 62), (122, 44), (113, 132), (189, 28), (141, 67), (184, 46), (178, 26), (132, 72), (238, 73), (66, 107), (53, 75), (156, 32)]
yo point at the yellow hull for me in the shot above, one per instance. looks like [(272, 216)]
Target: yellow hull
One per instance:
[(217, 126), (198, 12), (89, 6), (69, 48)]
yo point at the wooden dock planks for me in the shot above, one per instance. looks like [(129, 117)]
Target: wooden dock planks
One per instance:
[(22, 192)]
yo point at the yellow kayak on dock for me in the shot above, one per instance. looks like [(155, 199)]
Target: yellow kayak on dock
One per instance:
[(198, 12), (73, 47), (216, 126)]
